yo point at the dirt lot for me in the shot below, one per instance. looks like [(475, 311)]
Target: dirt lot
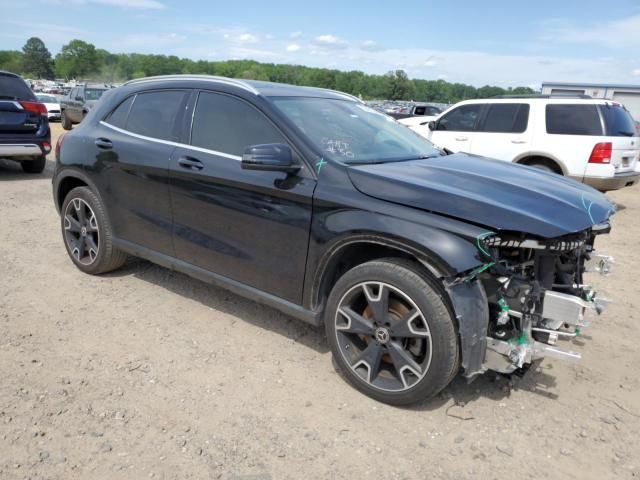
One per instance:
[(146, 373)]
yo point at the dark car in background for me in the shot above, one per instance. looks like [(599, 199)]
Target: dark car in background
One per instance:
[(24, 125), (420, 265), (75, 106)]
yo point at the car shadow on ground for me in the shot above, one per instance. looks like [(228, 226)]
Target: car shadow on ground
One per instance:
[(10, 170), (458, 397), (461, 394), (226, 302)]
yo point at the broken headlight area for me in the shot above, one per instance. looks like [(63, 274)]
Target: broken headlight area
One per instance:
[(537, 295)]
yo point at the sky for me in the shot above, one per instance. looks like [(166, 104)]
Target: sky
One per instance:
[(505, 43)]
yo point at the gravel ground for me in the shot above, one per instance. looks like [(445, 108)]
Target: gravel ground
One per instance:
[(146, 373)]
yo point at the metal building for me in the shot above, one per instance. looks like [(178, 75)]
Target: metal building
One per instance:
[(628, 95)]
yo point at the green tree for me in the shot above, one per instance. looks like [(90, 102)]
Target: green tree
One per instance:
[(36, 59), (11, 61), (399, 87), (77, 59)]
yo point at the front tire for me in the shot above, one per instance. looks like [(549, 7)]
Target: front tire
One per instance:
[(34, 166), (64, 121), (391, 332), (87, 233)]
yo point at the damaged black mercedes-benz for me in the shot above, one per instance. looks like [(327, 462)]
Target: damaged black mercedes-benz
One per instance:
[(420, 265)]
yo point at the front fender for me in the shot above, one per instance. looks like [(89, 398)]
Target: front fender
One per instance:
[(445, 246)]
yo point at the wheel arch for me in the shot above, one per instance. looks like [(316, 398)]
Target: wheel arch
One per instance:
[(543, 157), (355, 249), (66, 181)]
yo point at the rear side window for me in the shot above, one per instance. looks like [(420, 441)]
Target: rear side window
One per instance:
[(154, 114), (118, 118), (506, 118), (618, 121), (573, 119), (14, 88), (230, 125), (461, 119)]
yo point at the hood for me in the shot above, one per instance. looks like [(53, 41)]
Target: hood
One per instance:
[(492, 193)]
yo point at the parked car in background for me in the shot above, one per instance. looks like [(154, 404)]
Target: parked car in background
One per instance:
[(52, 103), (416, 112), (590, 140), (418, 264), (76, 105), (24, 127)]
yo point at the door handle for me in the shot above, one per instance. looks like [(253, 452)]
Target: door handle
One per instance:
[(190, 163), (518, 141), (461, 139), (104, 143)]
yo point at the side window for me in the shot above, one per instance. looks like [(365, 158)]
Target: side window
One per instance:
[(118, 117), (72, 94), (461, 119), (419, 110), (154, 114), (229, 125), (573, 119), (506, 118)]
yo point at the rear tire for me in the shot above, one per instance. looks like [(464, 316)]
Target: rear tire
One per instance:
[(34, 166), (64, 121), (87, 233), (391, 332), (542, 166)]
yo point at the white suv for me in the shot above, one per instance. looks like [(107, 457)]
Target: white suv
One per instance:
[(591, 141)]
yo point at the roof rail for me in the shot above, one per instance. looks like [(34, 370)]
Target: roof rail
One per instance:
[(538, 95), (211, 78)]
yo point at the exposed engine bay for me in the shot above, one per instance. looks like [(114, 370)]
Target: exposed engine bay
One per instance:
[(535, 295)]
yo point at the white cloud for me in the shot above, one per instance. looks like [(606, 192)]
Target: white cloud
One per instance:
[(247, 38), (635, 72), (614, 33), (330, 41), (370, 45), (294, 47), (268, 36), (295, 34), (149, 41)]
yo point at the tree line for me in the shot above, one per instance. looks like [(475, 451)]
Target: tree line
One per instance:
[(81, 60)]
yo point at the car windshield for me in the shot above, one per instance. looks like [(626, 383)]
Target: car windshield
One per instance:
[(353, 133), (93, 93), (47, 99)]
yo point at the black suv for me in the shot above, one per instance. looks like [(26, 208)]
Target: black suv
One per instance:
[(419, 264), (75, 106), (24, 125)]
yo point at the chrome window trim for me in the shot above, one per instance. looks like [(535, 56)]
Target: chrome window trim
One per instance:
[(174, 144)]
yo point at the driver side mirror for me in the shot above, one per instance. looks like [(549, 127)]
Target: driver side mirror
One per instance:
[(432, 125), (273, 157)]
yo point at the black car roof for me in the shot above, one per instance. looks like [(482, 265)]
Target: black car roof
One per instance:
[(267, 89)]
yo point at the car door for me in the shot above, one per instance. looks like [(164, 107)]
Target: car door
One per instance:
[(134, 145), (455, 129), (248, 226), (504, 131)]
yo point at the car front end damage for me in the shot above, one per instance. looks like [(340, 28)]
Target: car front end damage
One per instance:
[(527, 295)]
